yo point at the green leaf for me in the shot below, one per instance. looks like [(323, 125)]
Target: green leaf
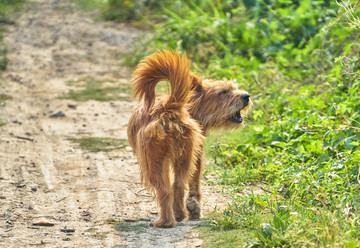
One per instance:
[(261, 202), (352, 244)]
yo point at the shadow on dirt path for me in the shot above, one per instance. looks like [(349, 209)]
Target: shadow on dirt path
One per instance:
[(46, 177)]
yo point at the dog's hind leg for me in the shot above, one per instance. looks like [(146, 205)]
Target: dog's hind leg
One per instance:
[(162, 184), (193, 200)]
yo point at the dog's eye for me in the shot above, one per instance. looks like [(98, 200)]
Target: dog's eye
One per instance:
[(223, 93)]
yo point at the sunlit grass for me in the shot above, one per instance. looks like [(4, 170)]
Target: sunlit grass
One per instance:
[(7, 9), (89, 5), (131, 227), (99, 90), (99, 144)]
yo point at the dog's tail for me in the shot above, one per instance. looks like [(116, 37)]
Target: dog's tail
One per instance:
[(163, 66)]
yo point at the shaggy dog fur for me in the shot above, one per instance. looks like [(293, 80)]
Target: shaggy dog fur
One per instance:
[(167, 133)]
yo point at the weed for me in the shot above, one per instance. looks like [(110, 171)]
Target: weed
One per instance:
[(4, 97), (90, 5), (99, 235), (7, 8), (112, 221), (3, 58), (99, 144), (95, 234), (91, 229)]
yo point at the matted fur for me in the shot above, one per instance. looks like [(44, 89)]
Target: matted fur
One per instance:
[(168, 132)]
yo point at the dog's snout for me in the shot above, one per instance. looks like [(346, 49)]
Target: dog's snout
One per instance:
[(246, 98)]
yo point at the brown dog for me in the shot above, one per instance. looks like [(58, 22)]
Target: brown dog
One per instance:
[(162, 133), (165, 133)]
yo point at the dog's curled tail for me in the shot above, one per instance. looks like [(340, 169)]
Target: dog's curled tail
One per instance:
[(168, 66)]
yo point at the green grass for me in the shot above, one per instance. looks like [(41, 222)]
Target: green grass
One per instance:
[(227, 239), (99, 144), (98, 90), (125, 11), (214, 237), (106, 90), (239, 136), (112, 221), (131, 227), (90, 5), (7, 9), (3, 99), (162, 88), (95, 234)]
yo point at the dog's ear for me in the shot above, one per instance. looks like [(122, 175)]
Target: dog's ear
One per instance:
[(196, 83)]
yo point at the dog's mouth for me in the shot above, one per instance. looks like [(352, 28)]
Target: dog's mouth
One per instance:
[(236, 117)]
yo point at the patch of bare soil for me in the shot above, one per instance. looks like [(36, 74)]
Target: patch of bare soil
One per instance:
[(45, 178)]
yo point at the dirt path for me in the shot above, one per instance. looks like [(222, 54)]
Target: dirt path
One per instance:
[(44, 176)]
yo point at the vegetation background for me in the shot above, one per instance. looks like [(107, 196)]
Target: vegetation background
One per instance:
[(300, 62)]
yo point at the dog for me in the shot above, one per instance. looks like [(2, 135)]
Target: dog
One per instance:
[(167, 133), (163, 135)]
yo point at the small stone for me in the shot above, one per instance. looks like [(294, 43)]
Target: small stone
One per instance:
[(130, 220), (145, 219), (67, 230), (57, 114), (72, 106)]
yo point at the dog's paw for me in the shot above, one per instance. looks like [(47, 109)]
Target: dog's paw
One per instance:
[(194, 208), (179, 216), (163, 224)]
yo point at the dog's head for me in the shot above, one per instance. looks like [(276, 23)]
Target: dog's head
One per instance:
[(219, 104)]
